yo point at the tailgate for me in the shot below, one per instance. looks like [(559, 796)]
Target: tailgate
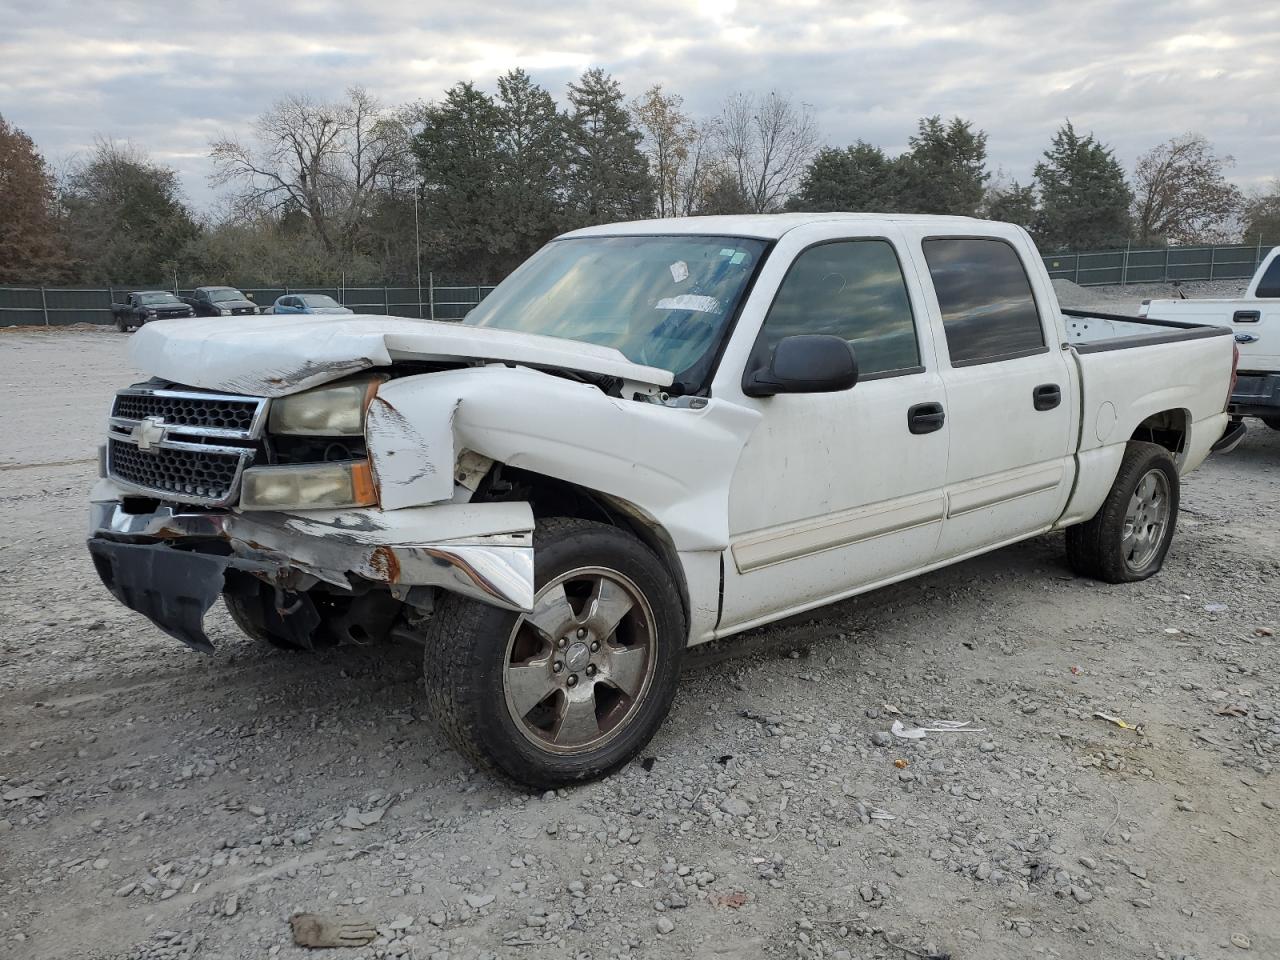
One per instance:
[(1255, 323)]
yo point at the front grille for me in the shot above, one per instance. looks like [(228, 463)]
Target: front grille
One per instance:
[(184, 445), (240, 311), (190, 409), (182, 474)]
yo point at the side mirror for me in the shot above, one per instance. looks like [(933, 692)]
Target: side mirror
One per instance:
[(808, 363)]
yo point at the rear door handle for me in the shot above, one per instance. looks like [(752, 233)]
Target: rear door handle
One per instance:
[(1246, 316), (926, 417), (1046, 396)]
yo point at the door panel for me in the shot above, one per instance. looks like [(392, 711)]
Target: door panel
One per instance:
[(1011, 411), (834, 491)]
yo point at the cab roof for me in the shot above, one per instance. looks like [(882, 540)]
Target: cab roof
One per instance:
[(765, 226)]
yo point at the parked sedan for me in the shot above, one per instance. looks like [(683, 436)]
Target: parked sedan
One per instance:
[(308, 303)]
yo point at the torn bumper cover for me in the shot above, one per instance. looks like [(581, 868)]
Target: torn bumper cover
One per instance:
[(170, 565)]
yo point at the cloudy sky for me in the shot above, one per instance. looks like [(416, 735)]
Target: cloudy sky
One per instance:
[(169, 76)]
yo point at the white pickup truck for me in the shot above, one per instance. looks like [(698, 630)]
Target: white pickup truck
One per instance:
[(1255, 318), (651, 435)]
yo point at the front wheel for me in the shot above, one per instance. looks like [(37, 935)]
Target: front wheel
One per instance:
[(1128, 538), (578, 686)]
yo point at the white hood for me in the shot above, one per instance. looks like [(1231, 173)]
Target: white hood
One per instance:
[(275, 355)]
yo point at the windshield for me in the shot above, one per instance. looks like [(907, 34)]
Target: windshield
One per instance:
[(661, 301), (218, 294), (319, 300), (159, 298)]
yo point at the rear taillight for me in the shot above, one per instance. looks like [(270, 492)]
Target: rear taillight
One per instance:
[(1235, 363)]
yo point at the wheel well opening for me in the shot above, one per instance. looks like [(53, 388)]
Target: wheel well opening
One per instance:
[(553, 497), (1168, 428)]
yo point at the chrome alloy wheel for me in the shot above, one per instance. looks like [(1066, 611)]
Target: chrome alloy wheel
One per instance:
[(1146, 520), (580, 665)]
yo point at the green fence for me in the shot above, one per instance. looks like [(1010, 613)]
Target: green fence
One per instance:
[(1157, 265), (59, 306)]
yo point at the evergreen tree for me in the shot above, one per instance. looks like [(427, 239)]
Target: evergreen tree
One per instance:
[(945, 169), (459, 164), (1013, 204), (531, 163), (856, 178), (1084, 199), (608, 177)]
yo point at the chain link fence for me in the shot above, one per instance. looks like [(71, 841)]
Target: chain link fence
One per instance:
[(60, 306), (1157, 264)]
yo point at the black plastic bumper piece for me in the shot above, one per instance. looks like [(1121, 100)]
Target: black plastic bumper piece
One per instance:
[(171, 588), (1230, 438)]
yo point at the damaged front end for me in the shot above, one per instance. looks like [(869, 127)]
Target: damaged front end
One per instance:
[(205, 494)]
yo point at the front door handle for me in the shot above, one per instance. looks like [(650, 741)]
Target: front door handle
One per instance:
[(926, 417), (1046, 396)]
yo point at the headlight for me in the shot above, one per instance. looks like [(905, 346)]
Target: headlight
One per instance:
[(225, 313), (309, 486), (335, 410), (151, 313)]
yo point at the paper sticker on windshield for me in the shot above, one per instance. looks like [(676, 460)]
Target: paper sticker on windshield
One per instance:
[(689, 301), (738, 257), (679, 271)]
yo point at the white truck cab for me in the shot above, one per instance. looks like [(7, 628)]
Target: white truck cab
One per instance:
[(650, 435), (1255, 322)]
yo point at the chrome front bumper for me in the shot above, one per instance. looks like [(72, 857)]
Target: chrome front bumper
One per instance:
[(421, 547)]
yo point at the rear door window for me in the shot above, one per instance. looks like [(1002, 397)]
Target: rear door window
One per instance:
[(988, 311), (1269, 285)]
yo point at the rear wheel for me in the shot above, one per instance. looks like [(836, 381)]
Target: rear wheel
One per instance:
[(575, 688), (1129, 537), (1272, 422)]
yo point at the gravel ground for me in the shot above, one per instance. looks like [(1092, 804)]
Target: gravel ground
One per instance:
[(155, 803)]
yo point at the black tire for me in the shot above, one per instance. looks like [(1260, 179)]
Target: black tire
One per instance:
[(1096, 547), (250, 614), (468, 645), (1272, 422), (121, 325)]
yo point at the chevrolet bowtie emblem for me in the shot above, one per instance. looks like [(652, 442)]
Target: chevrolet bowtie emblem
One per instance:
[(148, 432)]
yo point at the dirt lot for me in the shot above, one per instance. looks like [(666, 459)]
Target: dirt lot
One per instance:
[(158, 803)]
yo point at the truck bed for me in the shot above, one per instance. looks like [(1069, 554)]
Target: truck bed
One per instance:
[(1090, 332)]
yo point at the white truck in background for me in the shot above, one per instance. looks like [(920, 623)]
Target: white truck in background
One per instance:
[(649, 436), (1255, 320)]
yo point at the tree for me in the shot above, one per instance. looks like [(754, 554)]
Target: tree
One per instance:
[(30, 249), (669, 137), (1262, 217), (608, 177), (460, 166), (532, 157), (944, 171), (767, 143), (1084, 199), (722, 195), (327, 161), (126, 219), (1013, 204), (858, 177), (1181, 195)]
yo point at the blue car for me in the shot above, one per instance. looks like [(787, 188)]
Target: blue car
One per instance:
[(308, 303)]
